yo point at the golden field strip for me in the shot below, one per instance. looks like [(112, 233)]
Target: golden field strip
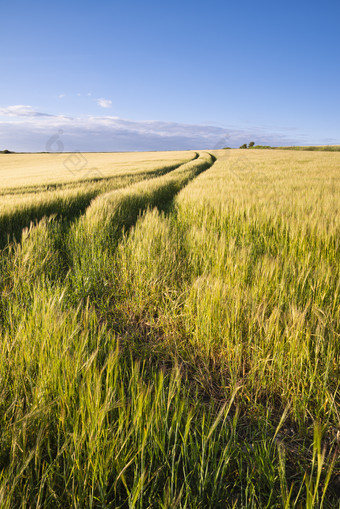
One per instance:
[(22, 170), (169, 331), (35, 185)]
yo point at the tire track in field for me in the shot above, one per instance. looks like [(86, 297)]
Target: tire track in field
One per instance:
[(112, 213), (94, 238), (75, 242), (63, 186), (68, 209)]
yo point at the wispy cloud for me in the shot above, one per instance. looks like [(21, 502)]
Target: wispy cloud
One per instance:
[(21, 110), (61, 96), (104, 103), (25, 129)]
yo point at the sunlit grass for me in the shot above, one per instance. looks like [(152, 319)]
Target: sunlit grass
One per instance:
[(177, 345)]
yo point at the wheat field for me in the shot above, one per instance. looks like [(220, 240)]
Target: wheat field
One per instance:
[(27, 170), (169, 330)]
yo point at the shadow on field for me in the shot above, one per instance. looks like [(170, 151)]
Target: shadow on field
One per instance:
[(12, 224)]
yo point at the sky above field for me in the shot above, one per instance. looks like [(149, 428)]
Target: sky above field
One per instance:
[(132, 75)]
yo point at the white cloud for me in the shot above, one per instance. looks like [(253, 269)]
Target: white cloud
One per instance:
[(104, 103), (61, 96), (28, 130), (21, 110)]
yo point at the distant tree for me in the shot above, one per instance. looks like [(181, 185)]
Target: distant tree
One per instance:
[(251, 144), (244, 145)]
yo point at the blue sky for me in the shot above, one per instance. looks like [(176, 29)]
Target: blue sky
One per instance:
[(132, 75)]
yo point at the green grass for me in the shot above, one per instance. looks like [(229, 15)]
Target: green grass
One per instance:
[(314, 148), (322, 148), (177, 344)]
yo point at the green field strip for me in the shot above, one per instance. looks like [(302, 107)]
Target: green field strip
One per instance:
[(326, 148)]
